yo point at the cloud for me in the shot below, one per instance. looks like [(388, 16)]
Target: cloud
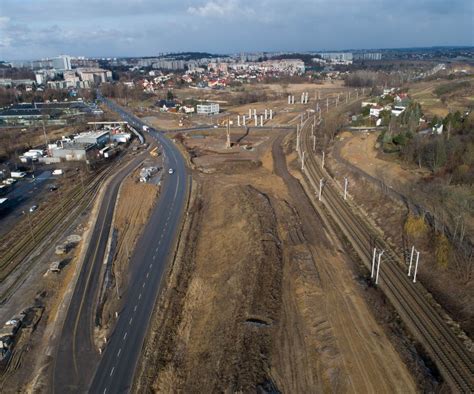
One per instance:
[(38, 28), (214, 9)]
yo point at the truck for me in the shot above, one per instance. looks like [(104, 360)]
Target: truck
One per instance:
[(145, 128)]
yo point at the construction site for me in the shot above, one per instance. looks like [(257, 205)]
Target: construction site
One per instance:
[(282, 280), (285, 276)]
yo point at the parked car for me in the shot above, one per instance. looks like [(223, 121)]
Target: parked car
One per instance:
[(33, 208)]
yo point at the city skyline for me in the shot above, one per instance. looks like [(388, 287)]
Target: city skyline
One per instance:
[(91, 28)]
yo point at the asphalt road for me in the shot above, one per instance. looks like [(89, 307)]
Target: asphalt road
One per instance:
[(76, 355), (78, 365)]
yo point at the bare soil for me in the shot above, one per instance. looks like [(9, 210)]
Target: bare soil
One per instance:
[(261, 296)]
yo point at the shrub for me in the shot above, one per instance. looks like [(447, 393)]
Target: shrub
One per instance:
[(442, 250), (415, 226)]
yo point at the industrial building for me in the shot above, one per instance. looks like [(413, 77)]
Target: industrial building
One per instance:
[(208, 109), (74, 151), (52, 113), (99, 138)]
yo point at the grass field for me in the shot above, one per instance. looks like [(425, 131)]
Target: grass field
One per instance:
[(433, 104)]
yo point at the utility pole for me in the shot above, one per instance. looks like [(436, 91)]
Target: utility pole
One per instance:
[(416, 266), (412, 255), (297, 138), (321, 181), (378, 268), (345, 187), (411, 259), (227, 144), (373, 262)]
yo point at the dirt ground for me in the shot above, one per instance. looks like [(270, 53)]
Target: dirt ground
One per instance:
[(360, 150), (261, 296)]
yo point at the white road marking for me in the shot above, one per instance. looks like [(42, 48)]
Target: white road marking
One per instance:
[(154, 257), (105, 390), (125, 336), (151, 265), (147, 274), (156, 250), (140, 296), (130, 321), (120, 351), (135, 308), (143, 285), (112, 371)]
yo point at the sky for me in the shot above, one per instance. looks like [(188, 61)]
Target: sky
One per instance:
[(31, 29)]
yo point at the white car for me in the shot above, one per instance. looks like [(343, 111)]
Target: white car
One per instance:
[(170, 171)]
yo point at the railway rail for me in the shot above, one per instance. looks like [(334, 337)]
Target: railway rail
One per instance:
[(51, 226), (453, 359)]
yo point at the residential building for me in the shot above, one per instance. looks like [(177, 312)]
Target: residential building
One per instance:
[(338, 57), (375, 111), (62, 62)]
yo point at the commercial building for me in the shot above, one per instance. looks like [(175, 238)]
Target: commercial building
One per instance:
[(208, 109)]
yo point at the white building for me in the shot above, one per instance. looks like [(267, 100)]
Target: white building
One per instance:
[(208, 109), (397, 110), (375, 111), (62, 62)]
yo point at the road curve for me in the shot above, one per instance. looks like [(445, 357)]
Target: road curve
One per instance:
[(113, 371)]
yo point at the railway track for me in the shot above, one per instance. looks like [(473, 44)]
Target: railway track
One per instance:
[(49, 228), (454, 361)]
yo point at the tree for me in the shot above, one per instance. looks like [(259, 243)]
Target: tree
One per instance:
[(170, 95)]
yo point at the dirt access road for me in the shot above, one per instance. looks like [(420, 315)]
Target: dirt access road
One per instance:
[(262, 296)]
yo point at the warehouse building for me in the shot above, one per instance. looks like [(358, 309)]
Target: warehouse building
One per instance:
[(74, 151), (99, 138)]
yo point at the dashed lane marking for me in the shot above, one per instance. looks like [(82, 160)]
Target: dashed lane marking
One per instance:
[(125, 336), (112, 371), (135, 308), (119, 351), (130, 321)]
